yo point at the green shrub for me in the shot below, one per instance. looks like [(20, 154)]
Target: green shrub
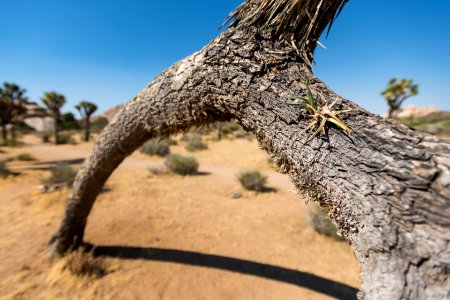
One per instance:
[(13, 142), (25, 157), (195, 143), (24, 127), (69, 122), (66, 138), (252, 180), (182, 165), (61, 173), (318, 220), (98, 124), (230, 127), (155, 147)]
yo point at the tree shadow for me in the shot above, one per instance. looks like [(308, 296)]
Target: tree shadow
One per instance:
[(74, 161), (47, 165), (201, 173), (268, 189), (299, 278)]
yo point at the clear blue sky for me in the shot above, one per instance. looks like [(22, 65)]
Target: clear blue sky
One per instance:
[(106, 51)]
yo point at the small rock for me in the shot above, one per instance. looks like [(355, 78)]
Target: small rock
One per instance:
[(235, 195)]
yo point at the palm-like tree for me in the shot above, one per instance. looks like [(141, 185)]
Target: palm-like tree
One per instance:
[(54, 102), (86, 109), (12, 100), (397, 92)]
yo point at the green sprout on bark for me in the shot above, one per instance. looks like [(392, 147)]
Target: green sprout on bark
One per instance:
[(321, 115)]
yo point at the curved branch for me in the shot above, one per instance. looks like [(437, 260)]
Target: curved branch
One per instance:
[(386, 187), (170, 104)]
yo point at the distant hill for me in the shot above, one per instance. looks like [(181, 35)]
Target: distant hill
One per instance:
[(110, 113), (436, 123)]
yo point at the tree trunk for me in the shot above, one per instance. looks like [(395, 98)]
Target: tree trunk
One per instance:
[(86, 129), (13, 134), (4, 134), (219, 131), (56, 129), (386, 187)]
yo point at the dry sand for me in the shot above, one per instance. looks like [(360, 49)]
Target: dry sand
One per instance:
[(171, 237)]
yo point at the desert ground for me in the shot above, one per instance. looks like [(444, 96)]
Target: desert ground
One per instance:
[(169, 236)]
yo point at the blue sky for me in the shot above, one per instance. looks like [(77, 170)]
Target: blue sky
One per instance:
[(106, 51)]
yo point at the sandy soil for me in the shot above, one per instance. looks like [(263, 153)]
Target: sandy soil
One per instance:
[(171, 237)]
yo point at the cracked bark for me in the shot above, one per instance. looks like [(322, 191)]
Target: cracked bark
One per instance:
[(386, 187)]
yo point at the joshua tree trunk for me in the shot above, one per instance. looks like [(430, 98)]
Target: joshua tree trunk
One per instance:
[(4, 134), (386, 187), (392, 110), (56, 129), (219, 131), (391, 113), (13, 134), (87, 125)]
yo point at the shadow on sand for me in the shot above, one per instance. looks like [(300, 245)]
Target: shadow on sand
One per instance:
[(302, 279)]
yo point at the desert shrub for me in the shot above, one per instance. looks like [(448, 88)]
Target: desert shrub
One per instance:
[(13, 142), (25, 157), (318, 220), (188, 136), (4, 170), (61, 173), (155, 147), (69, 122), (158, 171), (195, 143), (45, 136), (172, 142), (81, 264), (24, 127), (66, 138), (230, 127), (98, 124), (252, 180), (183, 165)]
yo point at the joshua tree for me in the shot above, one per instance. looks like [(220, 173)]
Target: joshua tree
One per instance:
[(12, 100), (397, 92), (384, 186), (54, 102), (86, 109), (4, 107)]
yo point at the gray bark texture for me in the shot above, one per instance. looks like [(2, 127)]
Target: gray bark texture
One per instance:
[(385, 186)]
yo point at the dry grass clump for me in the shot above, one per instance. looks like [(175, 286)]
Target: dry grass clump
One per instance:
[(25, 157), (156, 147), (252, 180), (195, 143), (81, 263), (158, 171), (318, 220), (66, 138), (4, 170), (182, 165), (61, 173)]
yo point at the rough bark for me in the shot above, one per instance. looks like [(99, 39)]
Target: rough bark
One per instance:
[(386, 187)]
